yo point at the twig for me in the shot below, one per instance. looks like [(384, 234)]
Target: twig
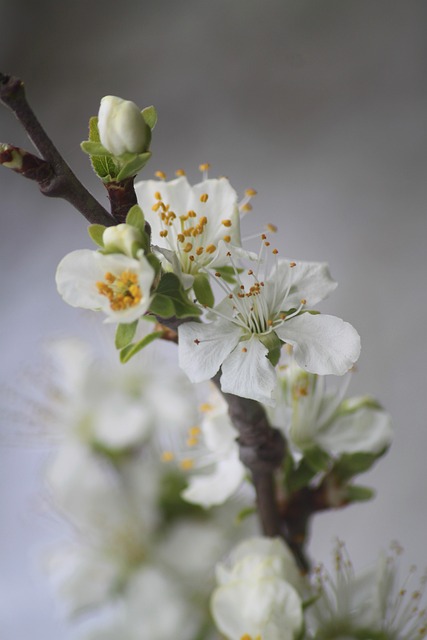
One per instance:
[(62, 183)]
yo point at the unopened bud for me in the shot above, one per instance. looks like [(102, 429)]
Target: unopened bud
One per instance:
[(122, 128), (121, 238)]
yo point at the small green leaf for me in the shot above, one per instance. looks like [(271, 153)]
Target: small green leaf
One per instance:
[(351, 464), (356, 493), (300, 477), (228, 274), (93, 129), (170, 287), (203, 290), (133, 166), (316, 458), (150, 116), (162, 306), (96, 232), (94, 148), (125, 334), (128, 352), (135, 217), (274, 346)]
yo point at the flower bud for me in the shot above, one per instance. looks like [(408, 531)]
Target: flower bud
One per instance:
[(121, 238), (122, 128)]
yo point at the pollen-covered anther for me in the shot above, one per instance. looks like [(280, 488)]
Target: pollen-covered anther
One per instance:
[(275, 252), (246, 207), (122, 291), (292, 264), (204, 197), (192, 214), (205, 407), (226, 238), (250, 193), (180, 172), (226, 223), (266, 244), (205, 166), (196, 341), (181, 237), (270, 323), (199, 251), (244, 350), (211, 248), (192, 441), (263, 236), (188, 247), (161, 175), (217, 274), (271, 228), (303, 301), (191, 258), (163, 233), (196, 430), (158, 195), (186, 464)]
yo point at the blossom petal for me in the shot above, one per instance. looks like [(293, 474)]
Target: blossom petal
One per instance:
[(203, 347), (248, 373), (322, 344), (365, 430), (216, 487)]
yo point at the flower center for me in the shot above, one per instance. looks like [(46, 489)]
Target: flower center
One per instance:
[(123, 291)]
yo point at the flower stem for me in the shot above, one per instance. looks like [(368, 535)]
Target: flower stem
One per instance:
[(62, 183)]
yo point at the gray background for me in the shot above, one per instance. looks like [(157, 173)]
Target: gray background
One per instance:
[(318, 104)]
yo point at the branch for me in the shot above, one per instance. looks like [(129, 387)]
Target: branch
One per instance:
[(61, 183)]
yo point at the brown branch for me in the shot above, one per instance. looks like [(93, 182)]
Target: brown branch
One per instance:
[(62, 183)]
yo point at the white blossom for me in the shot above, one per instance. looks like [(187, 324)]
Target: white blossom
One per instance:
[(113, 283), (193, 226), (255, 318), (258, 593), (122, 238), (121, 125)]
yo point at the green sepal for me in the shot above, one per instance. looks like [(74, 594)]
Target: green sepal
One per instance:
[(125, 334), (162, 306), (150, 116), (300, 476), (132, 164), (94, 148), (274, 346), (96, 231), (357, 493), (170, 287), (352, 464), (154, 262), (203, 290), (135, 217), (317, 459), (131, 349)]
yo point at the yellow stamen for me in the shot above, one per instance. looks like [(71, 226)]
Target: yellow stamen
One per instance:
[(163, 234), (181, 237), (250, 193), (123, 291), (292, 264), (199, 251), (211, 248), (205, 407), (226, 238), (246, 207), (195, 431), (191, 442), (271, 227), (167, 456), (157, 195), (180, 172), (204, 197), (161, 175), (226, 223), (186, 464), (187, 248), (205, 166)]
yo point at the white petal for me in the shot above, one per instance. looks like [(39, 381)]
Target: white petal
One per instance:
[(216, 487), (202, 348), (311, 281), (367, 430), (120, 422), (220, 205), (322, 344), (248, 373)]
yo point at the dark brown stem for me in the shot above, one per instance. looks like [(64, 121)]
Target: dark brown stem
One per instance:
[(262, 449), (62, 183)]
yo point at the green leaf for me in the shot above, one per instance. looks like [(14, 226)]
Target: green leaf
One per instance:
[(150, 116), (228, 274), (93, 129), (203, 290), (351, 464), (300, 477), (96, 232), (162, 306), (357, 493), (94, 148), (128, 352), (125, 334), (245, 513), (170, 287), (274, 346), (154, 262), (135, 217), (131, 167), (317, 459)]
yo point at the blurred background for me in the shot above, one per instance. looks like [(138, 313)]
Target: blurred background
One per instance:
[(320, 106)]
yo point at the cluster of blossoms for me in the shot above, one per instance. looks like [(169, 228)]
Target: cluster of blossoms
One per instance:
[(151, 485)]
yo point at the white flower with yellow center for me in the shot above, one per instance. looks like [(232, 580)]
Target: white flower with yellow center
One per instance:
[(192, 226), (254, 319), (113, 283), (259, 593)]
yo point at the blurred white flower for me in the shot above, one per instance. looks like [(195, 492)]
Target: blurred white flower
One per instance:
[(259, 592), (367, 605), (121, 125), (253, 320), (313, 414), (122, 238), (222, 473), (113, 283)]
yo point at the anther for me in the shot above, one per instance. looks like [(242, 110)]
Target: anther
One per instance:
[(167, 456), (196, 341), (266, 244), (226, 223), (292, 264), (275, 252), (199, 251), (246, 207), (271, 227), (186, 464), (163, 234), (244, 350), (303, 301), (263, 236), (250, 193), (226, 238), (157, 195), (217, 274), (211, 248), (188, 247), (180, 172), (205, 166), (181, 237), (204, 197), (161, 175)]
